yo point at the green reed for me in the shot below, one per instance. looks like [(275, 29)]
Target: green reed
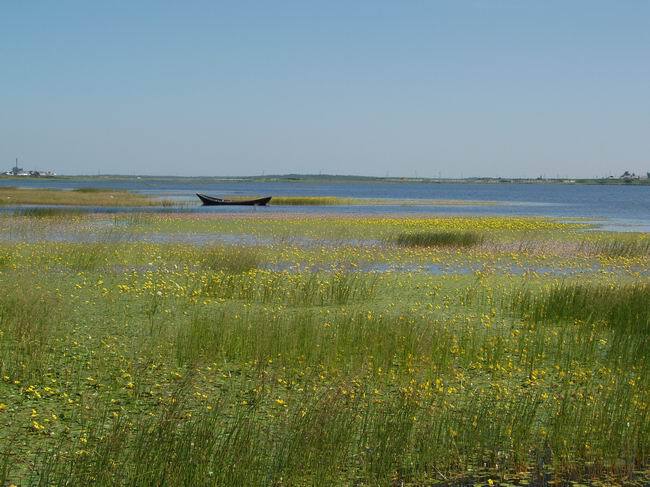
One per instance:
[(435, 238), (230, 259), (90, 189), (88, 256), (619, 247), (149, 364), (624, 307), (312, 201), (51, 212), (316, 289), (27, 318)]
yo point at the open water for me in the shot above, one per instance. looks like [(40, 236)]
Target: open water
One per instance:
[(620, 208)]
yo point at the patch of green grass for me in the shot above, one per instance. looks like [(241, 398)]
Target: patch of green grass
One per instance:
[(88, 256), (133, 219), (90, 189), (312, 201), (623, 307), (433, 238), (27, 316), (230, 259), (5, 257), (338, 200), (622, 247), (77, 197), (51, 212), (295, 290)]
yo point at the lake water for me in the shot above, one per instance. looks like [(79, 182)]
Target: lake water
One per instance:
[(621, 208)]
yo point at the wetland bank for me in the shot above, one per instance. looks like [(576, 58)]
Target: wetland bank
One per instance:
[(299, 349)]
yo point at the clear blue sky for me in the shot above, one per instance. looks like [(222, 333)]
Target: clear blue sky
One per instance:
[(496, 88)]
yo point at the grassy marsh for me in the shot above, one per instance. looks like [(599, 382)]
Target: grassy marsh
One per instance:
[(77, 197), (136, 362), (622, 246), (50, 212), (434, 238), (338, 200)]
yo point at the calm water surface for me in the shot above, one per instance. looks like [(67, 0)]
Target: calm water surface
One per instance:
[(622, 208)]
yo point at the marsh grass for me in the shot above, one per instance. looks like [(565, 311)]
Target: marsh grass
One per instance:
[(339, 393), (295, 290), (89, 256), (434, 238), (5, 257), (90, 189), (167, 203), (625, 308), (330, 435), (620, 247), (27, 316), (159, 364), (134, 219), (338, 200), (257, 335), (78, 197), (230, 259), (51, 212), (313, 201)]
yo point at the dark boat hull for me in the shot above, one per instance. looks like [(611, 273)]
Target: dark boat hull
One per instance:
[(212, 201)]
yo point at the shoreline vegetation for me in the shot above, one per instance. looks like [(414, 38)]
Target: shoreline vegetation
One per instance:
[(98, 197), (321, 178), (76, 197), (303, 350), (335, 201)]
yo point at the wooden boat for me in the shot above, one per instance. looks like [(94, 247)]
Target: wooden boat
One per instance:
[(212, 201)]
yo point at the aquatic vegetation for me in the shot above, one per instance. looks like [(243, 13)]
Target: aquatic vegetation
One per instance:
[(281, 200), (440, 239), (290, 289), (27, 316), (625, 308), (230, 259), (87, 256), (622, 247), (77, 197), (50, 212), (306, 351), (313, 201), (90, 189)]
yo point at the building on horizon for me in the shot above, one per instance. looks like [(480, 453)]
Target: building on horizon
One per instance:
[(19, 171)]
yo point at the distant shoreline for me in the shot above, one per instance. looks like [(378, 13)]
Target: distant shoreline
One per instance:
[(308, 178)]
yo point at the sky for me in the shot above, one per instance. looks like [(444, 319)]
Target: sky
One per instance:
[(426, 88)]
